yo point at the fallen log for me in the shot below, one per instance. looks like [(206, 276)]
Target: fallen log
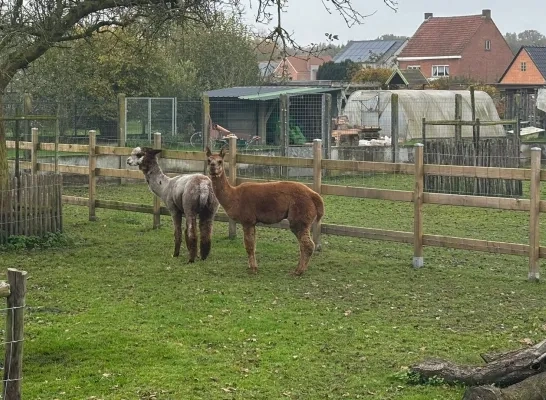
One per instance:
[(533, 388), (503, 370)]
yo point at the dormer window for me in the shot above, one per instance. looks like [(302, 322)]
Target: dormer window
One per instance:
[(523, 66)]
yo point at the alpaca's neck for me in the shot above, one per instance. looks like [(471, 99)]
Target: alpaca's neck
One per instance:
[(224, 192), (157, 180)]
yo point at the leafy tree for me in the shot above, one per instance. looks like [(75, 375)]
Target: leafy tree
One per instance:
[(525, 38), (342, 71), (28, 29), (390, 36), (216, 57), (378, 75)]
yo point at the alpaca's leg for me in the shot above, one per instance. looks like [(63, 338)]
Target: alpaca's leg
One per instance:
[(205, 233), (307, 246), (191, 237), (177, 222), (250, 246)]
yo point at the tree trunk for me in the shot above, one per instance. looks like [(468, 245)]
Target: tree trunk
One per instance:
[(533, 388), (504, 369)]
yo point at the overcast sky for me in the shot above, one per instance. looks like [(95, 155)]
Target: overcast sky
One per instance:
[(309, 20)]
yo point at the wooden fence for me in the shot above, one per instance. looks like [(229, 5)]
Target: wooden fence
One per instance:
[(418, 196), (486, 152), (15, 291), (492, 152), (31, 206)]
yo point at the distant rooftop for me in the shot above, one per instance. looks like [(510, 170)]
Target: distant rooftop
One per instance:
[(266, 92)]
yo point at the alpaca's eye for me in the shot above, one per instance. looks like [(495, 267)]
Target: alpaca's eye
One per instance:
[(219, 161)]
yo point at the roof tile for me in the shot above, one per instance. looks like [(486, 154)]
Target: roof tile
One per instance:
[(538, 55), (442, 36)]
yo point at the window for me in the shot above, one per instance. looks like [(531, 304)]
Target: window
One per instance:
[(488, 45), (523, 66), (439, 71), (414, 67)]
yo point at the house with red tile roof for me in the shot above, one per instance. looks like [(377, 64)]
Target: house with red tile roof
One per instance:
[(469, 46), (300, 68)]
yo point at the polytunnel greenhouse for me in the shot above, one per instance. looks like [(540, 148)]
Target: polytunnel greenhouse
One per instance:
[(373, 108)]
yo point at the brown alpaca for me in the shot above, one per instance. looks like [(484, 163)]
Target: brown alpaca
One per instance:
[(268, 203)]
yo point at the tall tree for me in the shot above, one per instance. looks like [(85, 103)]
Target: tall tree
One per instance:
[(28, 29), (341, 71), (390, 36), (525, 38)]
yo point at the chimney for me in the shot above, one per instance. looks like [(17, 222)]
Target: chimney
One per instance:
[(486, 14), (428, 15)]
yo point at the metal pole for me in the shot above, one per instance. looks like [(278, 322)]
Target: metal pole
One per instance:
[(149, 119), (173, 116)]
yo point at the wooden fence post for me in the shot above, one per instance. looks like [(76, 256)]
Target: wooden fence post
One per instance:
[(458, 116), (326, 125), (34, 151), (534, 215), (232, 229), (317, 185), (157, 200), (394, 127), (13, 363), (418, 207), (92, 174)]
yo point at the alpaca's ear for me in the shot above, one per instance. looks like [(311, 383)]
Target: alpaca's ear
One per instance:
[(156, 151), (223, 152), (207, 151)]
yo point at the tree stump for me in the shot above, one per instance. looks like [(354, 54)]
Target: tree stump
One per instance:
[(533, 388), (502, 370)]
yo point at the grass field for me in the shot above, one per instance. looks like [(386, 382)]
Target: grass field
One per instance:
[(114, 316)]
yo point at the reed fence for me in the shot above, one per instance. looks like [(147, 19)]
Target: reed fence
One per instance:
[(418, 196), (31, 206), (483, 152)]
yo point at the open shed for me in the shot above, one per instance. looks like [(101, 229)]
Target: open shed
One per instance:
[(373, 108), (254, 110)]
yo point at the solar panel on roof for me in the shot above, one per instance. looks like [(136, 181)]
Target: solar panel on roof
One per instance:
[(361, 51)]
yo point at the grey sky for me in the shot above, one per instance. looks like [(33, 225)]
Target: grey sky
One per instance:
[(309, 20)]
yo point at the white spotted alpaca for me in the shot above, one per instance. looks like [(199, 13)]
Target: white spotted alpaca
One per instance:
[(189, 195)]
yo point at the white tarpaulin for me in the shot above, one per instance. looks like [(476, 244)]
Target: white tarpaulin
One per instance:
[(541, 99), (373, 108)]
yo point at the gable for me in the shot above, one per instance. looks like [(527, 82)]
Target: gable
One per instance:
[(532, 74), (443, 36)]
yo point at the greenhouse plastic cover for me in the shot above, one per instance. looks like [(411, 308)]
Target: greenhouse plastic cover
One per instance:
[(541, 99), (373, 108)]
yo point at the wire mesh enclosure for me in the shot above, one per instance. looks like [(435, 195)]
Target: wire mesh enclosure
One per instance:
[(145, 115)]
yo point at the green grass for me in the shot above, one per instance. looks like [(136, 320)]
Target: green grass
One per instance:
[(114, 316)]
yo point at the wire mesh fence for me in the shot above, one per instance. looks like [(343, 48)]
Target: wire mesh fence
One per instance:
[(378, 126)]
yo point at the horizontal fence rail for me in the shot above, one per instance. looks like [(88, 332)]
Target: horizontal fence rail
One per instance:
[(533, 205)]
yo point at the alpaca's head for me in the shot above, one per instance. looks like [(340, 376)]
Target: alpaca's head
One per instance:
[(143, 157), (216, 162)]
